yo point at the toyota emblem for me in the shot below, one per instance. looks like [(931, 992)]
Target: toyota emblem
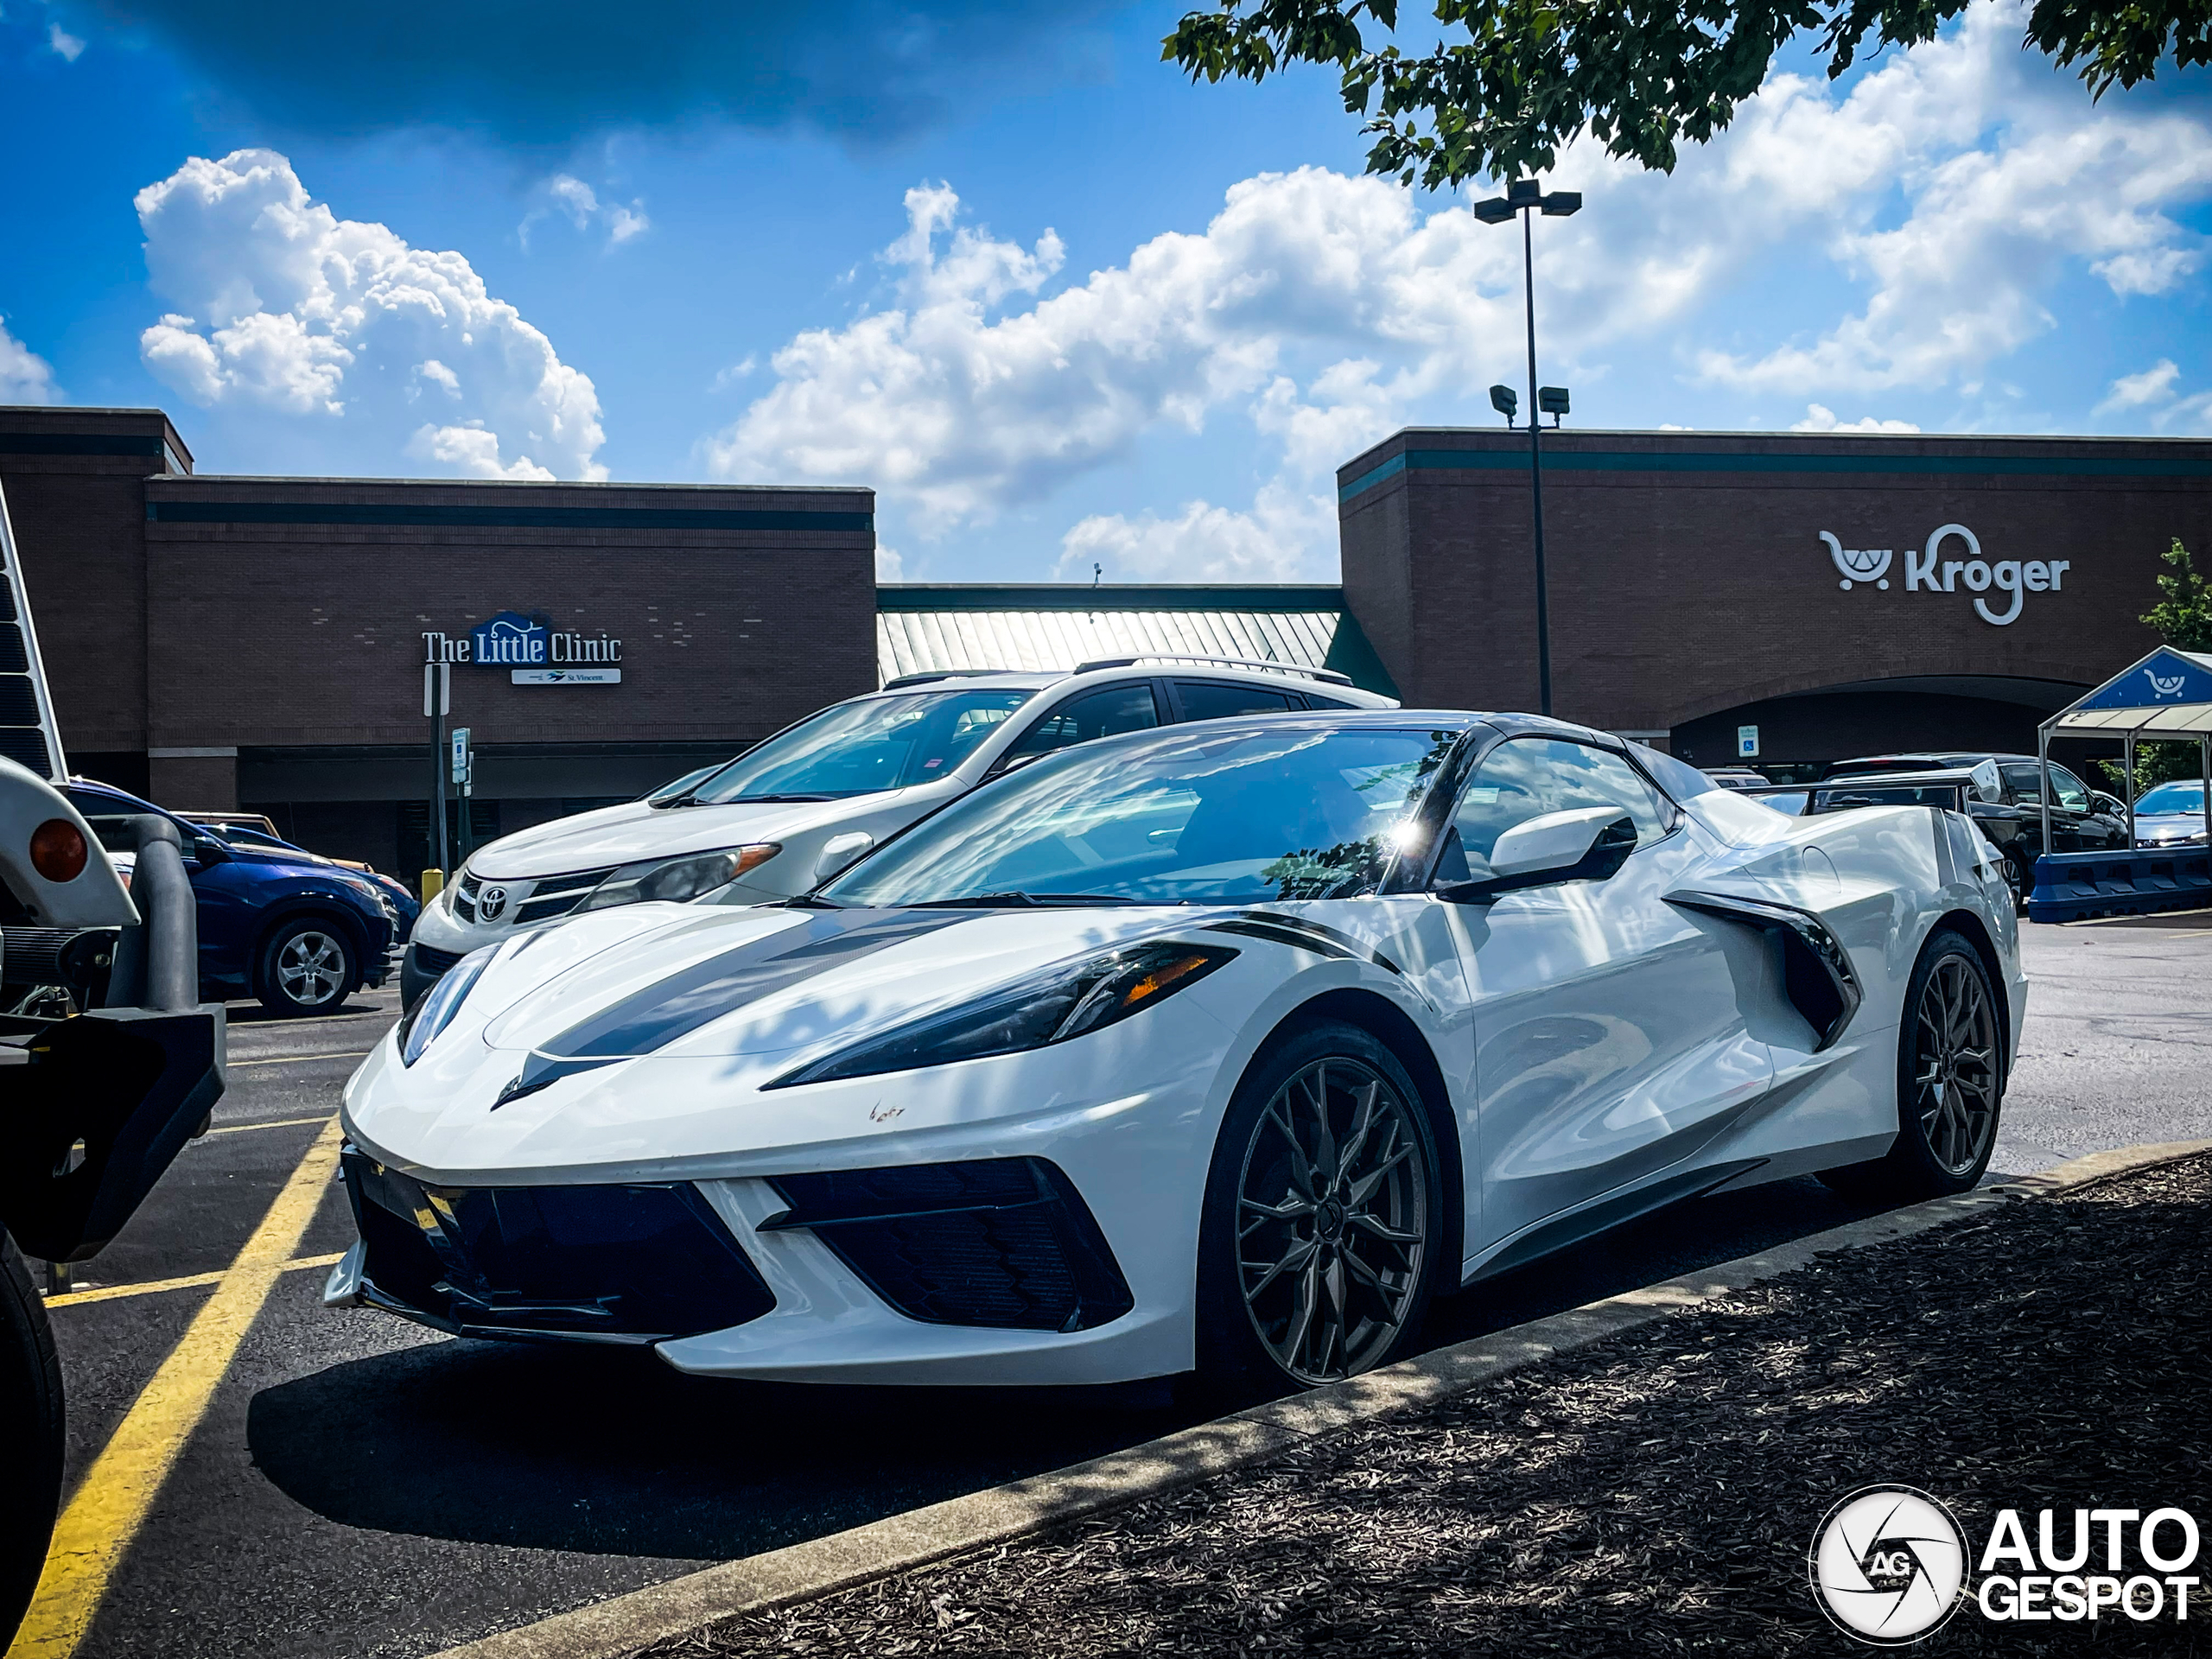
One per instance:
[(491, 902)]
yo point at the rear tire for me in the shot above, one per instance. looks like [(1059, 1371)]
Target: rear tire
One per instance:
[(1324, 1218), (1950, 1082), (306, 968), (31, 1442)]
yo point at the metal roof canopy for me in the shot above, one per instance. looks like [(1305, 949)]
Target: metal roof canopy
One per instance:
[(2166, 697), (1048, 628)]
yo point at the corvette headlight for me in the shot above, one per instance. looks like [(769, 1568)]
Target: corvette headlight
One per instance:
[(434, 1009), (1050, 1007), (675, 879)]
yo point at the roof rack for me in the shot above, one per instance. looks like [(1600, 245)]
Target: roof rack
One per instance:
[(944, 674), (1330, 675)]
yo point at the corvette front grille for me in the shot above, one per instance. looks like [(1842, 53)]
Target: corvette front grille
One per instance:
[(1005, 1242), (620, 1264)]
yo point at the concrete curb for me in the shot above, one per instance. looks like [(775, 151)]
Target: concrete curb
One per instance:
[(901, 1542)]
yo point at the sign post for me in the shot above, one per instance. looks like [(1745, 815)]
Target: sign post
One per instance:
[(437, 704), (463, 765)]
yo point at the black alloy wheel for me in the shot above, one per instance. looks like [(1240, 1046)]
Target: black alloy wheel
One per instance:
[(2016, 881), (1950, 1081), (1323, 1219)]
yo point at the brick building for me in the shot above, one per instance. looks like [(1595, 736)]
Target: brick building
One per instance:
[(1964, 586), (220, 642)]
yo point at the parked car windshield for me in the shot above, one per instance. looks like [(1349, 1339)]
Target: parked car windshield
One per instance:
[(857, 748), (2173, 797), (1193, 815)]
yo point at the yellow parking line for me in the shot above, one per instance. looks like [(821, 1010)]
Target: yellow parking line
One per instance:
[(106, 1512), (274, 1123), (150, 1287), (295, 1060)]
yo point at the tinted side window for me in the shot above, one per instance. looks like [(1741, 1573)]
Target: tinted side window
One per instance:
[(2020, 777), (1105, 713), (1212, 700), (2073, 794), (1530, 777), (1312, 701)]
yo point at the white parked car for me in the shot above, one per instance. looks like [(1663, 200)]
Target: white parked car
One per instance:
[(1222, 1046), (808, 801), (2172, 815)]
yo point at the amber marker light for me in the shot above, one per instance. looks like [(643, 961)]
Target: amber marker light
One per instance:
[(1162, 977), (58, 850)]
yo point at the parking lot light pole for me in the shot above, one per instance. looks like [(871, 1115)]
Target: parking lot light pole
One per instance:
[(1522, 197)]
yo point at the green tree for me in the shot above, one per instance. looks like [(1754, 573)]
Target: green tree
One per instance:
[(1643, 75), (2183, 617)]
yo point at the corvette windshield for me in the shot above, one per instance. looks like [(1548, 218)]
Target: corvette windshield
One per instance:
[(1196, 814), (856, 748)]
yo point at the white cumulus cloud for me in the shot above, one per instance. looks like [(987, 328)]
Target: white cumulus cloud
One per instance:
[(2153, 386), (1818, 417), (1951, 189), (580, 205), (285, 307), (25, 376), (64, 44)]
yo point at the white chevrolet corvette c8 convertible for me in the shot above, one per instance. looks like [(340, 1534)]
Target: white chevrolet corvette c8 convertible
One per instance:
[(1218, 1048)]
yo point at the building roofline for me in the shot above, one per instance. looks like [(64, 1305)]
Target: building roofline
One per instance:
[(286, 481), (1110, 596)]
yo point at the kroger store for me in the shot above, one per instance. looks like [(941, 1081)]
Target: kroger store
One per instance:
[(221, 642)]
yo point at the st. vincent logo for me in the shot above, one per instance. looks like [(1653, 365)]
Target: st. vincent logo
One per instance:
[(1887, 1565), (1934, 569)]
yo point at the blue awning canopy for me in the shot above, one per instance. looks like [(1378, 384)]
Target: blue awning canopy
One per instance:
[(2167, 694)]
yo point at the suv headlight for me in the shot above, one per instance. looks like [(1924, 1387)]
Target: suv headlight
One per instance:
[(434, 1010), (1052, 1006), (673, 880)]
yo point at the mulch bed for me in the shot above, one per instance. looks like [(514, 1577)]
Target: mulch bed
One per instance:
[(1658, 1492)]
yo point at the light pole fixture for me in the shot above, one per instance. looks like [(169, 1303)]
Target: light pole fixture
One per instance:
[(1506, 402), (1522, 197)]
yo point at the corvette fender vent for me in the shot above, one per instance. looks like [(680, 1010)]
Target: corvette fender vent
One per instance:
[(1817, 973), (1005, 1242), (620, 1264)]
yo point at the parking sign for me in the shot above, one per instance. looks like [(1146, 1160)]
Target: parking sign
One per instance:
[(1747, 742)]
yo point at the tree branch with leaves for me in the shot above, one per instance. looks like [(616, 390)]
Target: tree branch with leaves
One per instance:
[(1643, 76)]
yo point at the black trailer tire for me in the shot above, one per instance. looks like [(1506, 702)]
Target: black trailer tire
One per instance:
[(31, 1443)]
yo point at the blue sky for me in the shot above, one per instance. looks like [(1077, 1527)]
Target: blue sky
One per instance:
[(1059, 306)]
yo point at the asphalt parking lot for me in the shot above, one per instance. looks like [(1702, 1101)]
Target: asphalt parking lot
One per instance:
[(358, 1486)]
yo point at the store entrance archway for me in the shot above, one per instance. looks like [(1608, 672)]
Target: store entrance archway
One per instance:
[(1802, 732)]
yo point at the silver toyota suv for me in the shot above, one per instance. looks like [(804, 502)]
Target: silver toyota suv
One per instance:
[(794, 811)]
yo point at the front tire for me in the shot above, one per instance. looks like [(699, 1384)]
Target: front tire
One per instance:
[(31, 1438), (1324, 1217), (306, 968), (1950, 1082)]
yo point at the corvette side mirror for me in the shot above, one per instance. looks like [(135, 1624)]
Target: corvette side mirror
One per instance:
[(1587, 843), (840, 852)]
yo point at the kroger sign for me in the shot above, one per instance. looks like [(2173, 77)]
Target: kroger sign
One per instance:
[(1934, 569)]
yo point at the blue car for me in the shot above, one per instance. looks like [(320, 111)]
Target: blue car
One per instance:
[(299, 932)]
